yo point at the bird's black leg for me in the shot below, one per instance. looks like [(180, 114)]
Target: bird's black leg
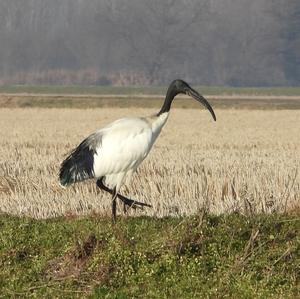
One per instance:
[(127, 201), (124, 208), (114, 205)]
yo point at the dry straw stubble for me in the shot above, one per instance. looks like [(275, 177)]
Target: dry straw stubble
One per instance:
[(247, 161)]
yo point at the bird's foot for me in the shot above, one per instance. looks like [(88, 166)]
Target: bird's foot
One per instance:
[(129, 203)]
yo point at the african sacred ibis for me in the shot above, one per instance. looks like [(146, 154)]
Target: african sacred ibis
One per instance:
[(114, 152)]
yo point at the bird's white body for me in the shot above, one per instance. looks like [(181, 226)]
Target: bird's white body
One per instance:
[(124, 144)]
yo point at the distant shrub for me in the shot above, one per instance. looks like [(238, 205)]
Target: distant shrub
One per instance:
[(103, 81)]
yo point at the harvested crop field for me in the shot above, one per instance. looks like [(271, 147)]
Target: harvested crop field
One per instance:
[(223, 101), (248, 161)]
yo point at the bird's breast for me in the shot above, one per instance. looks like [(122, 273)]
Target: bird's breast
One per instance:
[(122, 150)]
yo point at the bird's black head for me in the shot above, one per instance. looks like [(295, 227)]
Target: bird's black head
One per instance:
[(180, 87)]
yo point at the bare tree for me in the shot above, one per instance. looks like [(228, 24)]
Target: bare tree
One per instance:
[(157, 34)]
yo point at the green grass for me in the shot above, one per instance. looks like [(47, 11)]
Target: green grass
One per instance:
[(155, 90), (198, 257)]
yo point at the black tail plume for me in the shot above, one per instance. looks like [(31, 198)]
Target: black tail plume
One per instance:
[(79, 165)]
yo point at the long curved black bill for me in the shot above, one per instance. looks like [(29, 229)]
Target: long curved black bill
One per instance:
[(198, 97)]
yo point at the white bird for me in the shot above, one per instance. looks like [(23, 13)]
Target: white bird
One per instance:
[(114, 152)]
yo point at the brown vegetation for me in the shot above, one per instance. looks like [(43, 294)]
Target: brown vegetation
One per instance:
[(88, 76), (248, 161), (256, 102)]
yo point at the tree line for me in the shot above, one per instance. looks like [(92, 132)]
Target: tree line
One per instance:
[(208, 42)]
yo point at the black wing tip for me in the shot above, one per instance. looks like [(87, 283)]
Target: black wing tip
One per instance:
[(65, 176), (63, 184), (78, 166), (64, 181)]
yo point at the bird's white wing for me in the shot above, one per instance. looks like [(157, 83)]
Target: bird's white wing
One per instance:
[(124, 145)]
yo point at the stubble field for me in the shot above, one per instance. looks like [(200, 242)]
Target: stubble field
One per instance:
[(247, 162), (244, 167)]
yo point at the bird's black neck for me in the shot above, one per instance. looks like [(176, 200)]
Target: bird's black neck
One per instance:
[(171, 93)]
